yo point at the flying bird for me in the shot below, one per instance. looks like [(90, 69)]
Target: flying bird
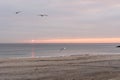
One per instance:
[(42, 15), (18, 12)]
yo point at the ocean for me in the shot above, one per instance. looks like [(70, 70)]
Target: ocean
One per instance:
[(53, 49)]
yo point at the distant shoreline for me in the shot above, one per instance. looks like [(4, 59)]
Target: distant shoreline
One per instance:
[(64, 56)]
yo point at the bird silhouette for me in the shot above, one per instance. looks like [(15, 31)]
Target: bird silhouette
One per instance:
[(42, 15), (18, 12)]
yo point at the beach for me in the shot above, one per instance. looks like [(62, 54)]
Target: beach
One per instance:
[(74, 67)]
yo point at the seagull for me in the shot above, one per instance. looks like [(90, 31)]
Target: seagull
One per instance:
[(18, 12), (42, 15), (62, 49)]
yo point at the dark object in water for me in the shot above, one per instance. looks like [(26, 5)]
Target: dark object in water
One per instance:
[(118, 46)]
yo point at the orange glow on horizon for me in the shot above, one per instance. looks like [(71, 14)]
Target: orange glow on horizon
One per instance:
[(81, 40)]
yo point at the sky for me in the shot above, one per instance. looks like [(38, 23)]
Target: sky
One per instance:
[(68, 21)]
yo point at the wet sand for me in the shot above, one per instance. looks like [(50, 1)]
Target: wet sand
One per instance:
[(79, 67)]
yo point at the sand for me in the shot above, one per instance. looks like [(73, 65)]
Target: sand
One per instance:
[(75, 67)]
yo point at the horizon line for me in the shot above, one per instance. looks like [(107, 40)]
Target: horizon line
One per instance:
[(75, 40)]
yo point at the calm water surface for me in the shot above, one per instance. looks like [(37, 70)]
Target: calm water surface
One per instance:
[(51, 50)]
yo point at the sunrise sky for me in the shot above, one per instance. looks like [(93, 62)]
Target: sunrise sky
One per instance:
[(68, 21)]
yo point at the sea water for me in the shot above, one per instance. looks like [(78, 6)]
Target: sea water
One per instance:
[(52, 50)]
